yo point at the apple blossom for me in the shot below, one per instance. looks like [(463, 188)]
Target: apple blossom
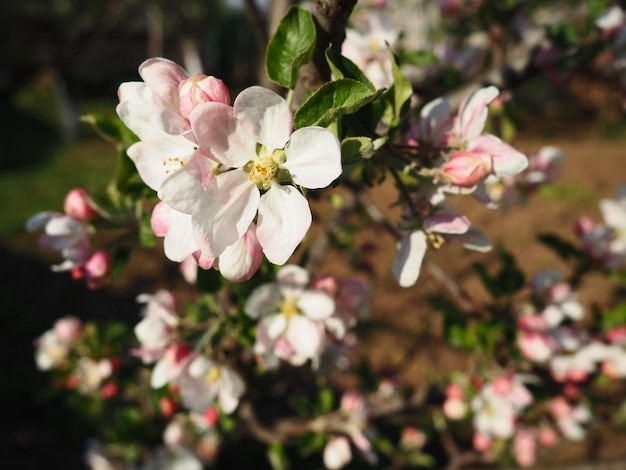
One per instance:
[(156, 330), (569, 419), (63, 233), (466, 134), (292, 319), (525, 447), (261, 157), (156, 110), (91, 373), (204, 381), (337, 453)]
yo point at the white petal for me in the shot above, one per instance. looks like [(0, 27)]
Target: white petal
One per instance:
[(313, 157), (182, 190), (265, 115), (163, 77), (273, 325), (475, 239), (614, 213), (305, 336), (225, 212), (264, 300), (284, 219), (410, 252), (292, 280), (242, 259), (179, 242), (317, 305), (473, 111)]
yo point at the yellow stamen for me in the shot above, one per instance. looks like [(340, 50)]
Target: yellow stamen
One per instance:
[(289, 308), (213, 375)]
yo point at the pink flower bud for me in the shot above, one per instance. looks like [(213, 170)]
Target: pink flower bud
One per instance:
[(482, 442), (560, 408), (109, 390), (97, 269), (547, 436), (168, 406), (68, 328), (454, 390), (525, 447), (201, 89), (455, 408), (176, 352), (502, 385), (351, 401), (412, 438), (326, 283), (78, 204), (467, 168), (584, 225), (211, 415)]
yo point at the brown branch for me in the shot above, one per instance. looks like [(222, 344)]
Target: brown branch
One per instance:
[(331, 19)]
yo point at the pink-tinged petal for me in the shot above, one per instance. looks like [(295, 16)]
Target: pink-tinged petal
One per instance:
[(160, 219), (264, 300), (292, 280), (170, 121), (447, 223), (317, 305), (216, 130), (232, 387), (435, 121), (305, 336), (183, 190), (200, 89), (506, 160), (263, 114), (313, 157), (284, 219), (163, 77), (240, 261), (614, 213), (473, 112), (475, 239), (225, 212), (179, 242), (410, 253)]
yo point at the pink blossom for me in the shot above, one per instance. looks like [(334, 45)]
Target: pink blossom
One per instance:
[(65, 234), (267, 165), (96, 270), (205, 381), (466, 134), (171, 365), (525, 447), (68, 328), (292, 318), (465, 168), (482, 442), (152, 110), (78, 204)]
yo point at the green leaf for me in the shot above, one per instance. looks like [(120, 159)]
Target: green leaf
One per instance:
[(333, 100), (564, 249), (342, 67), (398, 96), (291, 47), (354, 149), (111, 128), (277, 456)]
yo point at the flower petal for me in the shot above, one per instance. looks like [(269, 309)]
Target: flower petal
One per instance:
[(313, 157), (183, 189), (305, 336), (506, 160), (409, 256), (317, 305), (447, 223), (263, 114), (216, 129), (163, 77), (473, 112), (292, 280), (475, 239), (284, 219), (225, 212), (264, 300), (242, 259)]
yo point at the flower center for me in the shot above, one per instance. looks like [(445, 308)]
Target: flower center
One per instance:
[(435, 240), (262, 171), (213, 375), (289, 308), (172, 164)]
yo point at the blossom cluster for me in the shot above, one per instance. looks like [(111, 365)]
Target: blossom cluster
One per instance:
[(69, 234), (230, 178)]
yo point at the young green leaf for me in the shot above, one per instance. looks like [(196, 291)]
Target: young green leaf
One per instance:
[(291, 47), (333, 100)]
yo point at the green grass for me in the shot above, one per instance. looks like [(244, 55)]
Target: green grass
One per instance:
[(29, 189)]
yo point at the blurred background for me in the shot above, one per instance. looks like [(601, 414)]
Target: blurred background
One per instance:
[(60, 59)]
